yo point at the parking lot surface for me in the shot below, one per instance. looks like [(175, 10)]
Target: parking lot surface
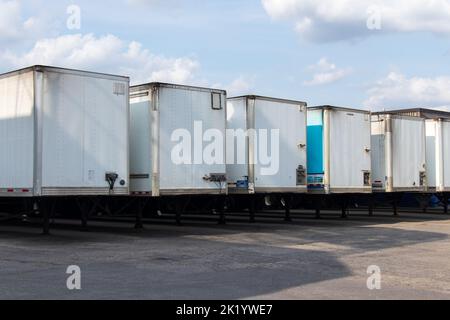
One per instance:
[(270, 259)]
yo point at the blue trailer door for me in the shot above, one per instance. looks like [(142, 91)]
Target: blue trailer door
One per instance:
[(315, 148)]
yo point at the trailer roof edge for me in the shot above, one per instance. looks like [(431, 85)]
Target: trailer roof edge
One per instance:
[(146, 86), (340, 108), (253, 96), (53, 68)]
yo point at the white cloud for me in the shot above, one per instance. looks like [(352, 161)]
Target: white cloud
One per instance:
[(239, 86), (329, 20), (9, 19), (12, 25), (105, 54), (326, 73), (398, 91), (15, 28)]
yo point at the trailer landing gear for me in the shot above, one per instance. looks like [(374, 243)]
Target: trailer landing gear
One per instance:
[(395, 206), (222, 219), (344, 207), (140, 209), (45, 211), (180, 208), (252, 209), (318, 207), (371, 204), (86, 209), (288, 206), (443, 197), (445, 203)]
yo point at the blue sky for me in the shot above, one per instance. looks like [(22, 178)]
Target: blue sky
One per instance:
[(322, 52)]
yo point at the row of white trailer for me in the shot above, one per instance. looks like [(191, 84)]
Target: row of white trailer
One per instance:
[(75, 133)]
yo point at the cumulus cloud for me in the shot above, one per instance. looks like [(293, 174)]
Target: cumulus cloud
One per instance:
[(105, 54), (398, 91), (330, 20), (239, 86), (326, 73), (12, 25)]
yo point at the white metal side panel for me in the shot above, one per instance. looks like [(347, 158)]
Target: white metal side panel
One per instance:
[(378, 155), (431, 153), (85, 131), (16, 132), (181, 108), (408, 152), (140, 145), (350, 144), (446, 153), (290, 121), (237, 168)]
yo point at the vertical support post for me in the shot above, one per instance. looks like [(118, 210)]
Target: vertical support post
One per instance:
[(252, 208), (155, 124), (84, 214), (140, 208), (389, 154), (395, 205), (178, 215), (445, 202), (371, 203), (84, 221), (251, 140), (181, 205), (425, 207), (318, 207), (440, 160), (222, 219), (327, 149), (344, 204), (288, 206), (45, 211), (86, 210)]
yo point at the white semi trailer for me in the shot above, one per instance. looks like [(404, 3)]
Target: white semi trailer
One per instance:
[(437, 129), (398, 153), (164, 119), (274, 148), (339, 150), (63, 133)]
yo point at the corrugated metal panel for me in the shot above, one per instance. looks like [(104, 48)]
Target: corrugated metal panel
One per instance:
[(421, 113), (339, 155), (74, 130), (237, 167), (273, 120), (438, 154), (315, 142), (408, 152), (140, 145), (16, 131), (85, 131), (431, 153), (378, 156), (118, 191), (290, 121), (446, 154), (180, 109), (158, 112), (350, 145)]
